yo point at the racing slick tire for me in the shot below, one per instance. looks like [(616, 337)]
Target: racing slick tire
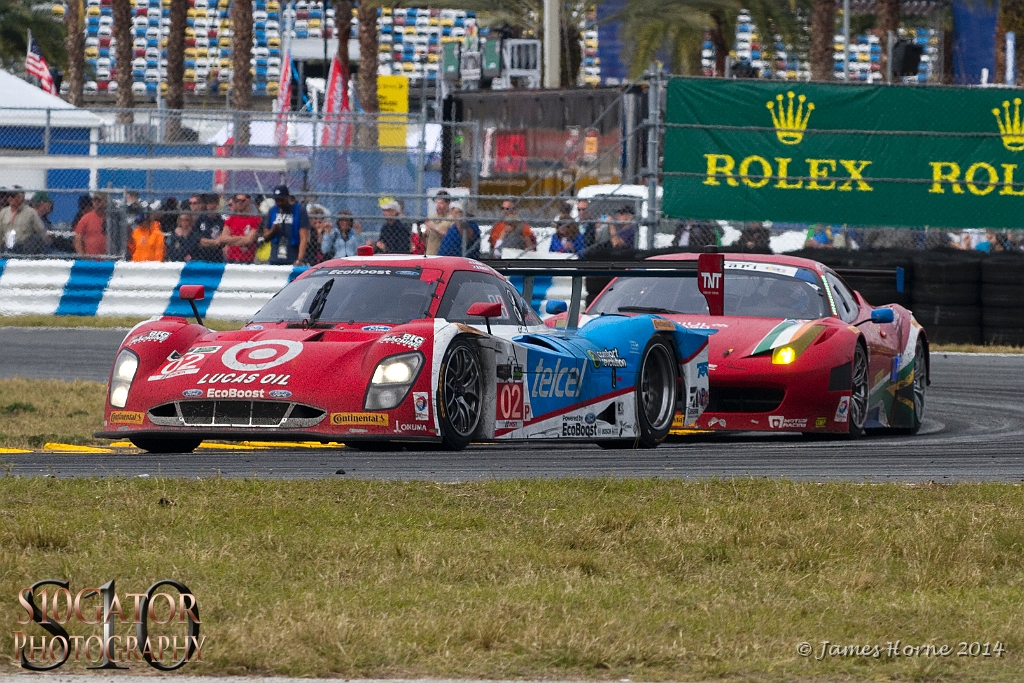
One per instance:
[(920, 384), (156, 444), (656, 387), (459, 395), (859, 393)]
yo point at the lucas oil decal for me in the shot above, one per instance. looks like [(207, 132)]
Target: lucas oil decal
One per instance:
[(243, 378)]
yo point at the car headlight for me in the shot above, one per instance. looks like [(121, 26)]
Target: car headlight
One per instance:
[(392, 379), (784, 355), (125, 367)]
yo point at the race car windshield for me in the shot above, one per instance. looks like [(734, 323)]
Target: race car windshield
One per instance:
[(373, 297), (747, 295)]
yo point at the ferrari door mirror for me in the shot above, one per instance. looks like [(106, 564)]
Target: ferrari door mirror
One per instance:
[(555, 307), (882, 315)]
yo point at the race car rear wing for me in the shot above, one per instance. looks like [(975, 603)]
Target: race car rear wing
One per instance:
[(708, 268), (528, 269)]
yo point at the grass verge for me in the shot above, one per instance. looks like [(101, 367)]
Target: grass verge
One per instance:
[(645, 579), (96, 321), (975, 348), (36, 411)]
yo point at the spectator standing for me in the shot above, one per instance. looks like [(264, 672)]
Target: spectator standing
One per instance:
[(183, 243), (147, 242), (755, 239), (91, 231), (463, 237), (241, 228), (436, 226), (587, 226), (287, 229), (169, 215), (84, 207), (510, 232), (343, 239), (395, 236), (567, 238), (209, 224), (134, 211), (623, 233), (320, 226), (695, 235), (21, 226), (43, 206)]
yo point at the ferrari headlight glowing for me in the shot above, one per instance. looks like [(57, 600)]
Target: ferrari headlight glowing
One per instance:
[(125, 367), (392, 379), (783, 355)]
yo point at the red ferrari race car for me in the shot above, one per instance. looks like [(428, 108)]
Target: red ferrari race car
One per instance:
[(796, 348), (376, 351)]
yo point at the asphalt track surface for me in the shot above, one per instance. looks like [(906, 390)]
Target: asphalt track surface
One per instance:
[(974, 431)]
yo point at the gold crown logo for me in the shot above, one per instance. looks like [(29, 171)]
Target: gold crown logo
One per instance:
[(790, 124), (1011, 128)]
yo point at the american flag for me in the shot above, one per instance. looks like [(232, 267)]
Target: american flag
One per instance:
[(35, 65)]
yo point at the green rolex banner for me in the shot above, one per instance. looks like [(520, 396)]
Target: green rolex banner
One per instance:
[(863, 155)]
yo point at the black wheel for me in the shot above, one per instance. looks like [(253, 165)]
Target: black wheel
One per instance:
[(459, 395), (656, 387), (920, 384), (156, 444), (859, 393)]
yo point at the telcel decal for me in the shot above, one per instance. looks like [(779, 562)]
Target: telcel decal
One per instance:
[(559, 382)]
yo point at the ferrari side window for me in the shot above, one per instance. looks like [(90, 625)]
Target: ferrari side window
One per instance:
[(466, 288), (527, 316), (845, 301)]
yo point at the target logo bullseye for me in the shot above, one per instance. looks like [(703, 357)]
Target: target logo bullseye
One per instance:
[(261, 355)]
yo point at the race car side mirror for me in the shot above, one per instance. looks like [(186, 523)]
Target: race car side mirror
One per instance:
[(485, 310), (555, 307), (191, 294), (882, 315)]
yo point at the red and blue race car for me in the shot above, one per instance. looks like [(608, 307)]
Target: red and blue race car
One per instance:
[(379, 351), (795, 348)]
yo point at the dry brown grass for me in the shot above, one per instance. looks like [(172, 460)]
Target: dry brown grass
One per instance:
[(647, 580), (975, 348), (96, 321)]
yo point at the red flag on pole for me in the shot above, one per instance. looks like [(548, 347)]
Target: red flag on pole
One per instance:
[(284, 101), (336, 130)]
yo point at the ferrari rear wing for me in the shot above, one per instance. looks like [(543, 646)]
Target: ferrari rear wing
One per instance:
[(528, 269), (881, 273)]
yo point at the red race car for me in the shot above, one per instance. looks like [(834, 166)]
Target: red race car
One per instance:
[(796, 349), (377, 351)]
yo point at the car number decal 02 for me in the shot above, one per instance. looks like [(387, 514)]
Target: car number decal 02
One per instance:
[(184, 364), (509, 405)]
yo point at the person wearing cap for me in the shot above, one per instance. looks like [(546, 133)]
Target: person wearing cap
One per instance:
[(240, 229), (395, 236), (623, 232), (436, 226), (343, 239), (147, 242), (209, 224), (287, 228), (91, 230), (567, 238), (511, 232), (463, 237), (43, 206), (21, 226)]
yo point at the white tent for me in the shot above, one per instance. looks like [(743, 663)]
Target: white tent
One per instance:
[(24, 104)]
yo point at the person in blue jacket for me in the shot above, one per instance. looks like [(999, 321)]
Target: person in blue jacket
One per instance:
[(567, 238), (462, 237), (287, 228)]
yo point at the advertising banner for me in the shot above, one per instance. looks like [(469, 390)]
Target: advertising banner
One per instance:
[(862, 155)]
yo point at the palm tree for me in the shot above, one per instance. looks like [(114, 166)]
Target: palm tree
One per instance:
[(75, 24), (343, 30), (367, 83), (123, 57), (674, 26), (17, 18), (176, 68), (888, 20), (823, 26), (241, 76)]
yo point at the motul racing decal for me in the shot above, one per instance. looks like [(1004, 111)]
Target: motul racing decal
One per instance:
[(261, 355)]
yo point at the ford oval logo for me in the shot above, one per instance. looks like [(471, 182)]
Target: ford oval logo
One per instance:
[(280, 393), (376, 328), (192, 393), (590, 418)]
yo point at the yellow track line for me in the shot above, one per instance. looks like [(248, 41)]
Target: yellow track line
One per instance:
[(73, 448)]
